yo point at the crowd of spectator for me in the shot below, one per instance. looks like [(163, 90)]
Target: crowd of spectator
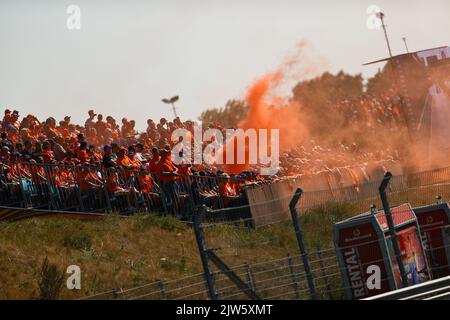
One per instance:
[(103, 153), (371, 112)]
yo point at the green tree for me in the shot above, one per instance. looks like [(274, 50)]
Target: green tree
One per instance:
[(319, 95), (228, 116), (381, 83)]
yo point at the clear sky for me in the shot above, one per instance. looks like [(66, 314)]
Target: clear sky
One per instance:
[(129, 54)]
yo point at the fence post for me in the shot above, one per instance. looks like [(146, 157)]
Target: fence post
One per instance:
[(132, 181), (24, 196), (390, 222), (301, 243), (293, 277), (115, 294), (197, 218), (251, 282), (162, 289), (323, 274)]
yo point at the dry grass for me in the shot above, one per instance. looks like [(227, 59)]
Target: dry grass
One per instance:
[(122, 253), (114, 253)]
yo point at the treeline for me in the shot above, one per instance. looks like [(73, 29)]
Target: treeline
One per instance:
[(316, 96)]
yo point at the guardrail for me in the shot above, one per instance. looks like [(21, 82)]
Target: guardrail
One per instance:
[(438, 289)]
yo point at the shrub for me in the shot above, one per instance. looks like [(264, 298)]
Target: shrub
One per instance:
[(80, 241), (50, 281)]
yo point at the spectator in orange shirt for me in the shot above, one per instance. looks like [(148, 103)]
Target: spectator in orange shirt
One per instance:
[(152, 165), (132, 155), (146, 182), (47, 153), (123, 160), (37, 172), (93, 154), (167, 174), (112, 181), (87, 180), (226, 190), (82, 154)]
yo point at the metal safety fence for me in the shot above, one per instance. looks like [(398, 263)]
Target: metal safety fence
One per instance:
[(283, 278), (89, 188), (259, 264), (265, 263)]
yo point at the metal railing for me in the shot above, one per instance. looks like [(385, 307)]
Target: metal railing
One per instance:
[(89, 188), (79, 188), (59, 187), (280, 278)]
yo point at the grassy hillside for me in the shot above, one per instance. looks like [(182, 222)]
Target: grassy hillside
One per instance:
[(119, 253)]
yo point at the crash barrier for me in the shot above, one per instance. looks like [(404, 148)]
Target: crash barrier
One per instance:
[(438, 289)]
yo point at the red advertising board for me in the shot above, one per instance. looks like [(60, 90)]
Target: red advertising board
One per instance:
[(401, 215), (360, 248), (412, 256), (363, 244), (432, 220)]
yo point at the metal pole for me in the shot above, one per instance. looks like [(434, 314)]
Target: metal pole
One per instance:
[(381, 14), (24, 196), (301, 243), (162, 289), (390, 222), (232, 275), (406, 45), (212, 294), (174, 109), (251, 282)]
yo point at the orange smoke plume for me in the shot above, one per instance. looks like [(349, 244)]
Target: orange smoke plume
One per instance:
[(270, 111)]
